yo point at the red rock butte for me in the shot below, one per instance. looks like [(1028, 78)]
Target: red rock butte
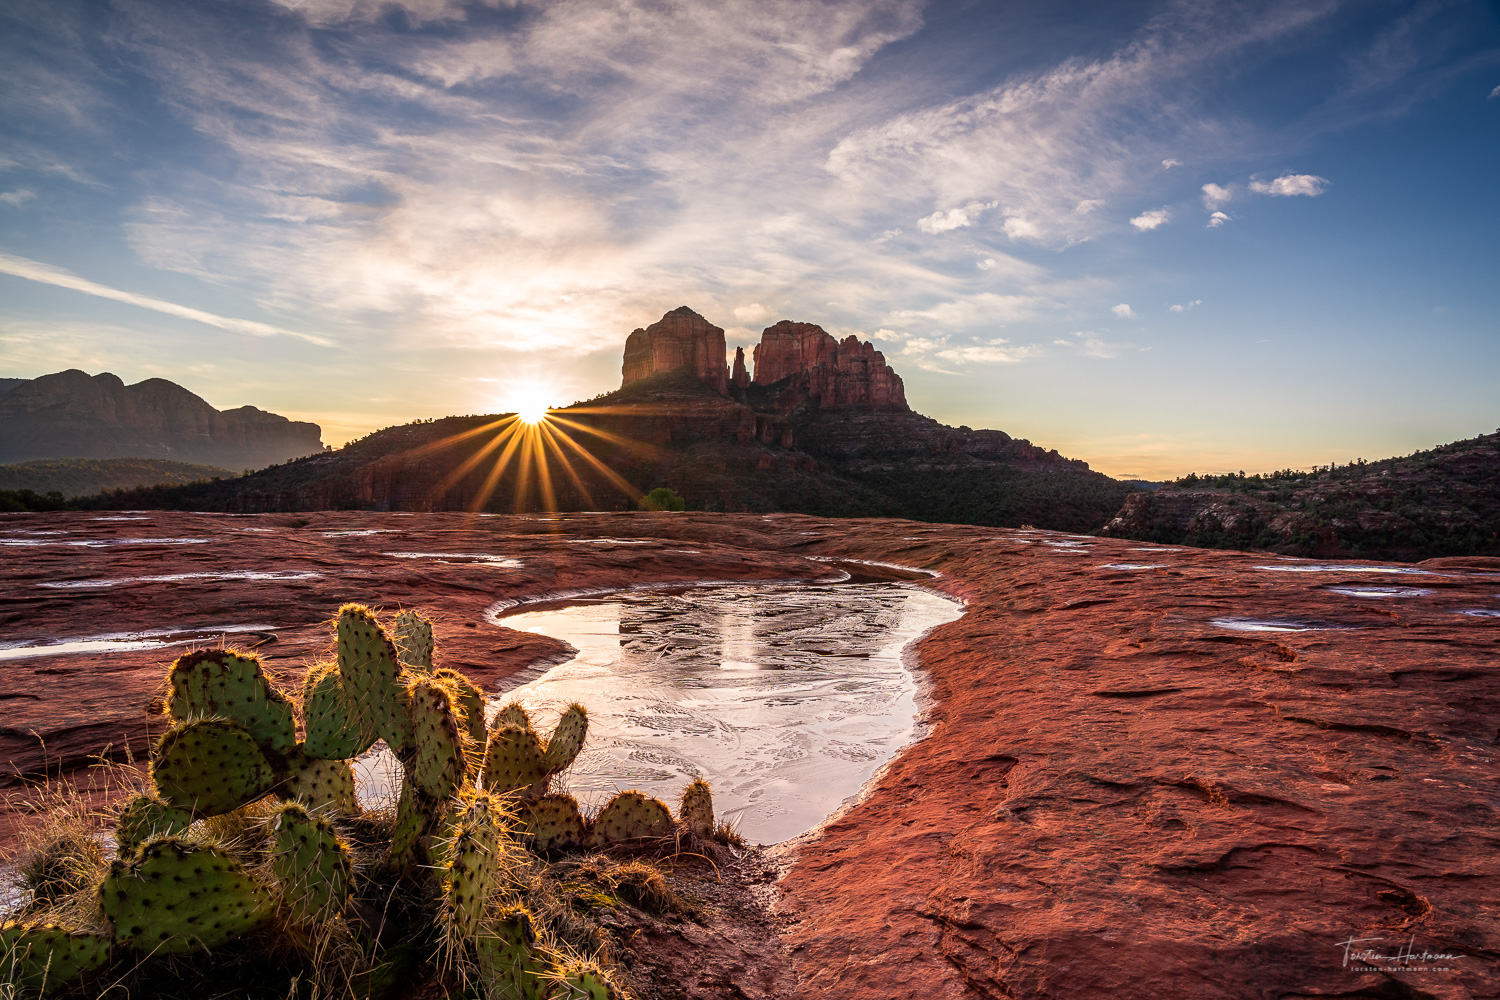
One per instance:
[(804, 361)]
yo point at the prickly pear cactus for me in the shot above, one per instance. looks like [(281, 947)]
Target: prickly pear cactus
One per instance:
[(513, 714), (470, 700), (412, 635), (473, 866), (553, 821), (697, 810), (39, 958), (514, 761), (175, 897), (144, 817), (567, 739), (321, 784), (209, 766), (509, 966), (231, 685), (406, 832), (632, 816), (372, 677), (333, 732), (435, 756), (312, 865), (582, 980)]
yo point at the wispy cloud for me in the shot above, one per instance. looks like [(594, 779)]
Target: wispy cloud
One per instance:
[(1169, 163), (1218, 219), (1091, 345), (1184, 306), (1292, 185), (1494, 94), (1215, 195), (47, 274), (16, 198), (954, 218)]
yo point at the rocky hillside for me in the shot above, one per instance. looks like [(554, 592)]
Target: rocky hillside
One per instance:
[(71, 414), (821, 428), (1441, 502)]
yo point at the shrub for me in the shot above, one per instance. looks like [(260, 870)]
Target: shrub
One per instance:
[(662, 498)]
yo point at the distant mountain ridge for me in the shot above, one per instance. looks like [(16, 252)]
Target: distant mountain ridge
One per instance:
[(71, 414)]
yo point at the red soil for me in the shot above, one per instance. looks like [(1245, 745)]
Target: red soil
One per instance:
[(1117, 798)]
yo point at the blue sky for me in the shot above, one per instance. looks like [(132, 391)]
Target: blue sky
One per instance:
[(362, 213)]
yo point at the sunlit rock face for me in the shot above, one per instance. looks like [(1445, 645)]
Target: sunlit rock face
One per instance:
[(825, 372), (680, 339), (71, 414)]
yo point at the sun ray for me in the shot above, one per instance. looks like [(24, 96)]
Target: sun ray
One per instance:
[(453, 439), (619, 481), (639, 447), (551, 434), (543, 473), (456, 474), (487, 490)]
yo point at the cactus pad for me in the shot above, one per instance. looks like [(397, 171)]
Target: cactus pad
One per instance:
[(513, 714), (228, 684), (435, 756), (697, 810), (372, 676), (406, 832), (470, 877), (321, 784), (312, 866), (632, 816), (567, 739), (332, 730), (514, 761), (470, 701), (144, 817), (582, 980), (553, 821), (176, 897), (508, 963), (39, 958), (209, 766), (412, 635)]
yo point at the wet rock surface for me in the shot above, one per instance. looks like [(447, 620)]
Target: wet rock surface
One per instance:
[(1118, 797)]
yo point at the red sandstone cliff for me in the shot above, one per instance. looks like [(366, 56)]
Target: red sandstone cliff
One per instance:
[(73, 415), (824, 372), (680, 339)]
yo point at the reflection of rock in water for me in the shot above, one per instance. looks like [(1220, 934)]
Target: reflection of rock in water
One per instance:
[(785, 699)]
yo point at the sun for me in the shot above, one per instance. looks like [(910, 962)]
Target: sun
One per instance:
[(530, 403), (532, 413)]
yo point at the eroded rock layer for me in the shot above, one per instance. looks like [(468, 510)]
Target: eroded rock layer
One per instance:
[(679, 340), (825, 373)]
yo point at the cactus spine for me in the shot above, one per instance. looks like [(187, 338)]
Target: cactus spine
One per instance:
[(473, 865), (513, 714), (175, 897), (470, 701), (321, 784), (582, 980), (697, 810), (40, 958), (312, 865), (209, 766), (434, 756)]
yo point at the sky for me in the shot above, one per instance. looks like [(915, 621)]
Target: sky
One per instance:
[(1159, 237)]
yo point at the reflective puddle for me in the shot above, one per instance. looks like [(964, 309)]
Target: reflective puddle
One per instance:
[(1381, 591), (482, 558), (271, 575), (1339, 568), (785, 698), (1266, 625)]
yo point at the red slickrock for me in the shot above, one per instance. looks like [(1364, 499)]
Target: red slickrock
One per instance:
[(825, 373), (680, 339), (1118, 795)]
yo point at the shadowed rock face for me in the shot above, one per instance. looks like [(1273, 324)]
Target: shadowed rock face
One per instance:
[(824, 372), (680, 339), (72, 415)]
